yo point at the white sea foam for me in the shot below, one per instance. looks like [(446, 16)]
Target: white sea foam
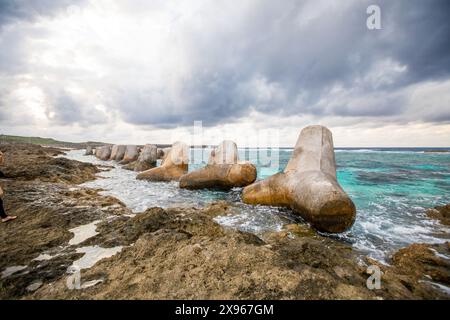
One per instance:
[(383, 224)]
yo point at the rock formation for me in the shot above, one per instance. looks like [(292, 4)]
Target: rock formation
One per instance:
[(224, 171), (442, 213), (308, 185), (131, 154), (103, 153), (174, 165), (89, 151)]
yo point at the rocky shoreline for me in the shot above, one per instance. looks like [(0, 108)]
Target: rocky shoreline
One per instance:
[(178, 253)]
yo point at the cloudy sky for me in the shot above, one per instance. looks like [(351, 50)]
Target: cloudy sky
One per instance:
[(254, 71)]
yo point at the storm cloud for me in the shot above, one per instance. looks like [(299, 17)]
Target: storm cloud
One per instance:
[(166, 64)]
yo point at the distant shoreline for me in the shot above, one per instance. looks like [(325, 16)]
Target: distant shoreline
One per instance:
[(81, 145)]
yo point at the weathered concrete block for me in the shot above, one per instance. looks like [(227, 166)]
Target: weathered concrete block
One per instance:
[(308, 184)]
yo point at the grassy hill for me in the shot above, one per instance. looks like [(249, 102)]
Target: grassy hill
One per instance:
[(46, 141)]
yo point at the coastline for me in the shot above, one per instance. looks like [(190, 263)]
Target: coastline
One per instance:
[(178, 253)]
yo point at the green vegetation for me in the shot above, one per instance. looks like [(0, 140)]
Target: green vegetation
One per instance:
[(33, 140), (45, 141)]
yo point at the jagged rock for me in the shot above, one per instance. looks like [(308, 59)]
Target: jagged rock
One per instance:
[(129, 166), (131, 154), (33, 162), (442, 213), (174, 165), (224, 171), (308, 185)]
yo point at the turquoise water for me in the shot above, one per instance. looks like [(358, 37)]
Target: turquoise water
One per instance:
[(391, 188)]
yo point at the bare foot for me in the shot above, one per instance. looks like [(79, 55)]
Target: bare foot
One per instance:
[(9, 218)]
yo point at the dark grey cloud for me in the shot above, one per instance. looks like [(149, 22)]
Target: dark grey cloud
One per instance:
[(12, 11), (334, 48), (284, 58)]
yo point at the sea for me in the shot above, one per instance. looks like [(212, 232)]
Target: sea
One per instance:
[(391, 187)]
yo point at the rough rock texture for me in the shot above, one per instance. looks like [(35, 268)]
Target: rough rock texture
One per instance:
[(103, 153), (419, 270), (131, 154), (442, 213), (224, 171), (40, 190), (89, 151), (182, 253), (29, 162), (308, 185), (174, 165)]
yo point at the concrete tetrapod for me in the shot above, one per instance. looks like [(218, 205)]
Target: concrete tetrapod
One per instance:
[(308, 185), (89, 151), (103, 153), (131, 154), (146, 160), (174, 165), (224, 171), (118, 152)]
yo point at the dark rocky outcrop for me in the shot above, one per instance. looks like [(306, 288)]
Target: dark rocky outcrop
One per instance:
[(442, 213), (32, 162)]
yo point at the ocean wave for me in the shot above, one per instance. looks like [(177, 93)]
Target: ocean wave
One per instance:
[(388, 218)]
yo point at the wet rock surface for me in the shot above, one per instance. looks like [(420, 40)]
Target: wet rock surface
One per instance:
[(32, 162), (41, 191), (184, 253), (441, 213)]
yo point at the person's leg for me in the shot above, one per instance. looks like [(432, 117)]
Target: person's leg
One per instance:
[(3, 214)]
